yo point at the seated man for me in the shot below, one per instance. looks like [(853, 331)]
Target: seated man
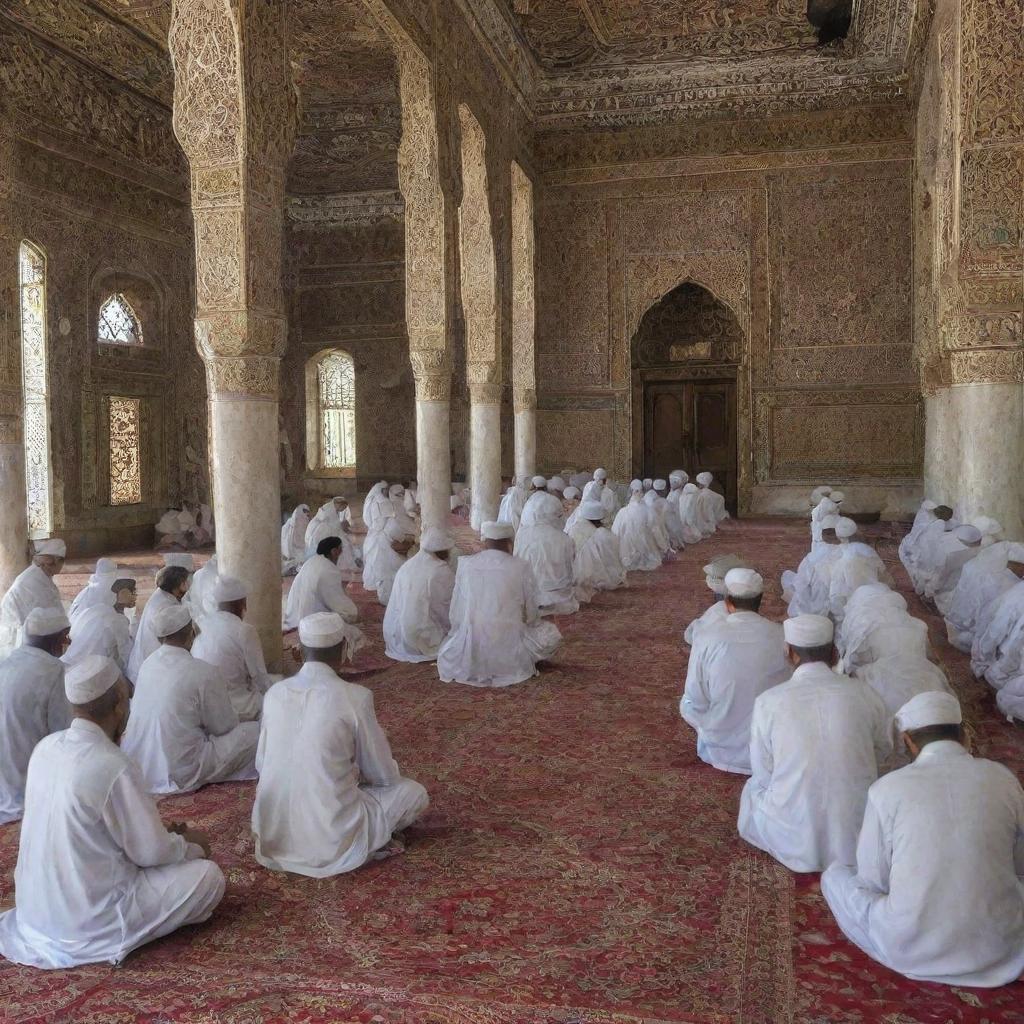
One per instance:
[(714, 579), (965, 546), (32, 588), (199, 599), (858, 565), (983, 580), (901, 675), (32, 702), (710, 505), (172, 583), (731, 664), (497, 635), (96, 590), (232, 646), (330, 794), (183, 731), (816, 744), (98, 874), (391, 555), (937, 890), (103, 627), (638, 545), (549, 551), (908, 546), (598, 562), (930, 550), (997, 654), (416, 620), (813, 580), (334, 519), (319, 587)]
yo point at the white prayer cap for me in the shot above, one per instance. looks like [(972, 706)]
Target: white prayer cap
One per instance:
[(636, 485), (818, 493), (704, 479), (837, 496), (180, 558), (170, 620), (743, 583), (556, 483), (228, 588), (968, 534), (434, 540), (648, 482), (592, 510), (716, 584), (845, 528), (106, 567), (539, 481), (396, 491), (337, 497), (54, 546), (988, 526), (497, 531), (928, 505), (830, 522), (934, 707), (675, 477), (600, 474), (394, 530), (808, 631), (571, 493), (660, 485), (720, 566), (90, 678), (322, 630), (689, 488), (46, 621)]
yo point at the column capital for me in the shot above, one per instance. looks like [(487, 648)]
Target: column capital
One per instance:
[(241, 332), (987, 366), (243, 377), (524, 399), (485, 393), (431, 368)]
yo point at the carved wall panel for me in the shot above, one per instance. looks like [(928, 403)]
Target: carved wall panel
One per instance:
[(524, 307), (569, 439)]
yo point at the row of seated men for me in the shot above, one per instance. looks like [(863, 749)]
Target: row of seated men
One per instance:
[(974, 579), (923, 862)]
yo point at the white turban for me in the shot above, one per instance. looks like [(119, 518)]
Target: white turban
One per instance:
[(660, 485), (704, 479), (322, 630), (648, 483), (90, 678), (539, 481), (600, 474), (497, 531), (434, 540), (592, 510), (571, 493), (934, 707), (818, 493), (830, 522), (837, 496), (394, 530), (743, 583), (808, 631), (968, 534), (170, 620), (396, 491), (228, 589), (845, 528), (47, 621), (689, 488), (675, 478), (54, 546), (106, 567), (182, 559), (636, 485), (556, 483)]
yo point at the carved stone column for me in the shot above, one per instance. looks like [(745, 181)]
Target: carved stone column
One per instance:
[(525, 407), (234, 115), (433, 457), (484, 449), (524, 384), (13, 519)]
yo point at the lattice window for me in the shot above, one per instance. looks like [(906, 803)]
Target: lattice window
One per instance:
[(125, 470), (118, 324), (32, 278), (336, 383)]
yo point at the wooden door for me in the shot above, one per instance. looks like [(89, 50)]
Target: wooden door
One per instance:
[(714, 436)]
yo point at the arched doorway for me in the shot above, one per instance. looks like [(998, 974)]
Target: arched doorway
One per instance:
[(685, 355)]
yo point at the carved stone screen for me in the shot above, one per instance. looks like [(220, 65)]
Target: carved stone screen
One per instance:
[(32, 273), (125, 459), (118, 324), (336, 382)]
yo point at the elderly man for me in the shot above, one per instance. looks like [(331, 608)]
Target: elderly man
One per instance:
[(98, 874), (549, 552), (330, 793), (391, 554), (32, 588), (935, 890), (172, 583), (816, 744), (32, 702), (732, 662), (96, 590), (416, 620), (497, 635), (640, 552), (319, 587), (103, 627), (598, 561), (183, 731), (232, 646)]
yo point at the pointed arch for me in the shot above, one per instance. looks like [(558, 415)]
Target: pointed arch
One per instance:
[(118, 323), (331, 413)]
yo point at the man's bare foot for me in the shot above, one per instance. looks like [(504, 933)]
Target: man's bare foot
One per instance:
[(392, 848)]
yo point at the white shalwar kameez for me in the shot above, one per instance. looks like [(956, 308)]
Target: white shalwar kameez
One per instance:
[(32, 705), (857, 566), (867, 607), (945, 581), (328, 522), (598, 562), (497, 635), (31, 589), (293, 536), (318, 587), (930, 552), (908, 549), (550, 553), (386, 564), (897, 678), (232, 646), (199, 597), (101, 629), (146, 640), (731, 664), (688, 513), (674, 525), (98, 875), (816, 743), (183, 732), (637, 544), (937, 893), (416, 621), (97, 591), (996, 652), (330, 794), (983, 580), (810, 587), (715, 614), (541, 505), (512, 503), (656, 507)]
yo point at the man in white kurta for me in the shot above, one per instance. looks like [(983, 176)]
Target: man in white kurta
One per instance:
[(714, 579), (674, 525), (640, 552), (866, 606), (98, 874), (512, 502), (997, 649), (656, 507), (103, 627), (731, 664), (32, 702), (172, 583), (497, 635), (983, 580), (538, 498), (319, 587), (183, 732), (32, 588), (416, 620), (199, 599), (932, 545), (232, 646), (809, 588), (598, 561), (390, 556), (908, 546), (330, 793), (857, 565), (902, 675), (710, 505), (935, 890), (968, 540), (550, 552), (96, 590), (816, 744), (293, 539), (334, 519)]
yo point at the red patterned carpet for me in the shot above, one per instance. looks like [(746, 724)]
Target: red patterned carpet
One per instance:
[(578, 864)]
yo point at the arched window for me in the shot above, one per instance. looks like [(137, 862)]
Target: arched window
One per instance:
[(336, 401), (32, 279), (118, 324), (125, 457)]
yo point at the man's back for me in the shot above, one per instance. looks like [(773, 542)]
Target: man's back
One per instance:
[(232, 646), (100, 629), (416, 619)]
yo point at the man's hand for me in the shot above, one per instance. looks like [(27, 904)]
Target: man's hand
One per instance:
[(192, 835)]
